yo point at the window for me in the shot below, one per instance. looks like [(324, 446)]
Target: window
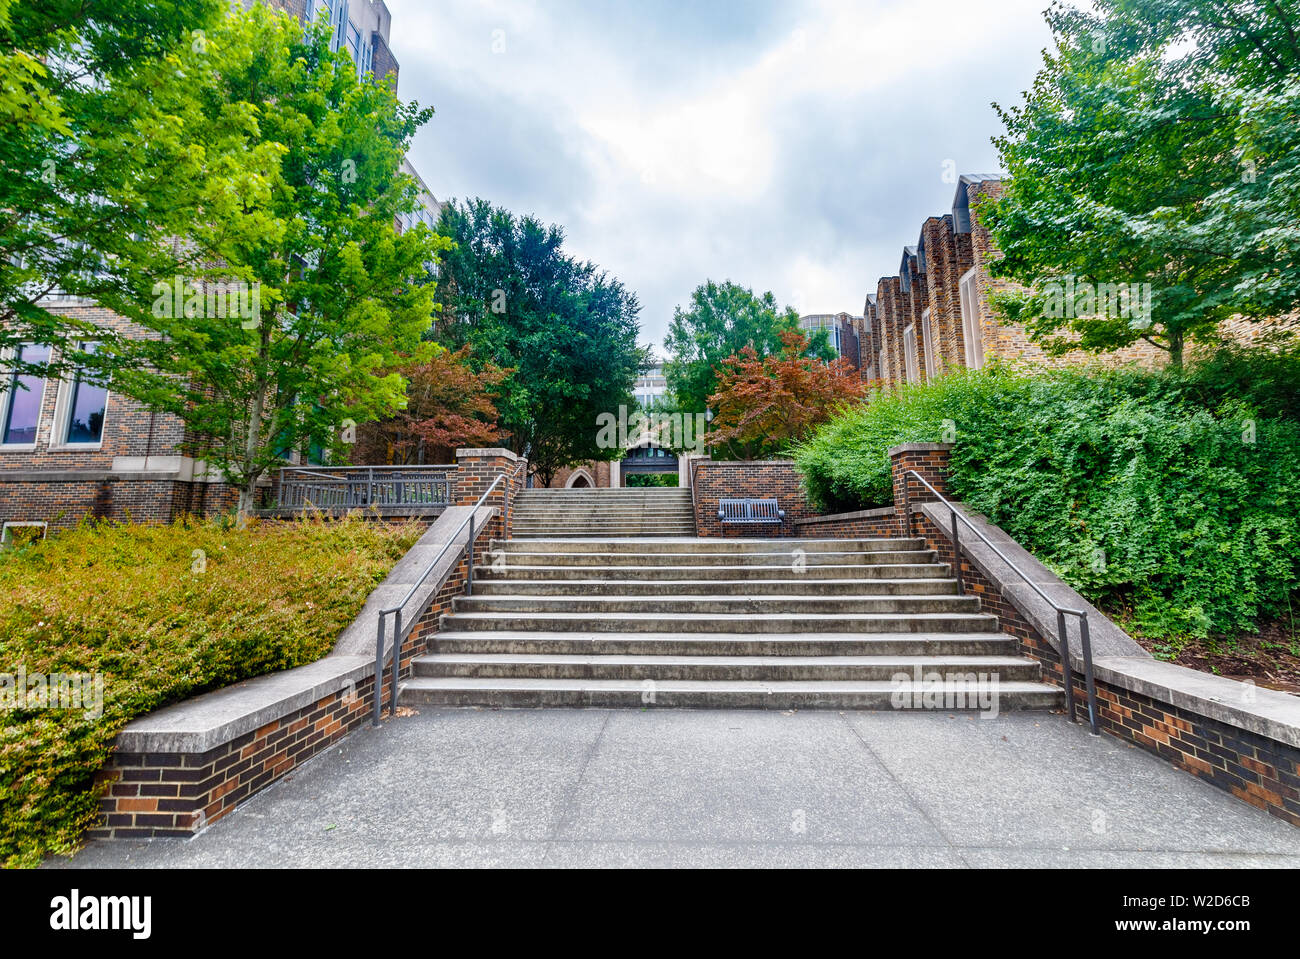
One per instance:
[(909, 354), (85, 405), (335, 13), (22, 399), (927, 342), (18, 533), (884, 354), (972, 332)]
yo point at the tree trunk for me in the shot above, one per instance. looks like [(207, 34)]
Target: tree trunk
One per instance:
[(1176, 350), (252, 438), (247, 501)]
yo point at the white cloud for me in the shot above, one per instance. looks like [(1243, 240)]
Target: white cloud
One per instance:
[(792, 149)]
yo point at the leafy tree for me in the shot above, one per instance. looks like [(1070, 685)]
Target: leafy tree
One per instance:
[(565, 330), (97, 160), (448, 405), (724, 318), (766, 404), (340, 296), (1160, 144), (1168, 498)]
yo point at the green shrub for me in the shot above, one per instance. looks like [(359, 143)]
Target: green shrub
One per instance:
[(1169, 497), (163, 612)]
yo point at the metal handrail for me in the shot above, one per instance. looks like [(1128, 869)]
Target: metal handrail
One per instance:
[(1061, 611), (397, 610)]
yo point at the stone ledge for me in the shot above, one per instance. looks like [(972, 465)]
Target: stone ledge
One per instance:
[(919, 448), (488, 451), (1265, 712), (212, 719), (1117, 658), (846, 517), (88, 476), (740, 463), (215, 718), (338, 512)]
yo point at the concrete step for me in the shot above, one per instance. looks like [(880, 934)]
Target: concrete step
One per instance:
[(713, 545), (660, 573), (599, 512), (599, 503), (710, 604), (602, 518), (599, 525), (786, 558), (742, 668), (638, 531), (655, 622), (564, 643), (721, 587), (601, 492), (721, 694)]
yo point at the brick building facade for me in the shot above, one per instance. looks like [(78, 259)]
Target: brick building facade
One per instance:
[(937, 314), (71, 449)]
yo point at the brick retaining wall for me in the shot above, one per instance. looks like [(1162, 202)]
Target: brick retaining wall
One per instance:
[(176, 793), (714, 480), (1259, 769)]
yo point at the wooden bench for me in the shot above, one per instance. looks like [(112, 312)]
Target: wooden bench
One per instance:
[(749, 511)]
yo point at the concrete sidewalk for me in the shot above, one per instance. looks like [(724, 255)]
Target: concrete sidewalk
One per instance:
[(658, 787)]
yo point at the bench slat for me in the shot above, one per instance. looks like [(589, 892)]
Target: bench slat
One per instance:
[(750, 510)]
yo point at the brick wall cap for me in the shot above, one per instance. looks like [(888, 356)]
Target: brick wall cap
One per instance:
[(709, 461), (487, 452), (85, 476), (919, 448), (1274, 715), (213, 719)]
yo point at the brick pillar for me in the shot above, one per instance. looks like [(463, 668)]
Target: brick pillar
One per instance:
[(475, 470), (930, 460)]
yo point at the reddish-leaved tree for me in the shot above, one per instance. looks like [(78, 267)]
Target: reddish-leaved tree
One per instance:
[(762, 406), (448, 405)]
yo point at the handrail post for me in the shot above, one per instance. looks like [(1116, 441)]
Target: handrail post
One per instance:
[(379, 672), (1090, 687), (469, 559), (956, 555), (907, 505), (397, 662), (1066, 670)]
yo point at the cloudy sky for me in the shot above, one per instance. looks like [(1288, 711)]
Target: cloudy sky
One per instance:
[(788, 145)]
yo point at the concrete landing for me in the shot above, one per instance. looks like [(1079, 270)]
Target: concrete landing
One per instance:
[(662, 787)]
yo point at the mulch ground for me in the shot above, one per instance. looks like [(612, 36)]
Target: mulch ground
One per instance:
[(1271, 658)]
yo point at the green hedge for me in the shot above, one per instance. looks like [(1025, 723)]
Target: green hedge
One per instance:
[(1170, 498), (163, 612)]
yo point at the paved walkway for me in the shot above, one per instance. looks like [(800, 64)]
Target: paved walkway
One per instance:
[(685, 788)]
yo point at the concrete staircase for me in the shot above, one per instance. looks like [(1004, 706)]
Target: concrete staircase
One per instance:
[(720, 623), (603, 512)]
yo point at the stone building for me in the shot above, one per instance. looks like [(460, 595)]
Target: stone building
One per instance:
[(71, 448), (936, 313)]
